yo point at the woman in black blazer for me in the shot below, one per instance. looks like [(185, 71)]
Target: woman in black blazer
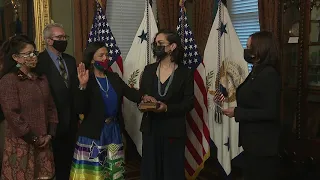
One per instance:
[(164, 130), (258, 108), (99, 152)]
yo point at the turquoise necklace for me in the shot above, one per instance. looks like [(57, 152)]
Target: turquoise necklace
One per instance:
[(105, 91), (167, 85)]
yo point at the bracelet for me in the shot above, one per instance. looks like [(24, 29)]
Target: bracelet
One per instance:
[(81, 88), (49, 136), (35, 139), (143, 96)]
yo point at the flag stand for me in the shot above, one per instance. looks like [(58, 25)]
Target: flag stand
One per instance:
[(182, 22), (218, 111), (148, 32)]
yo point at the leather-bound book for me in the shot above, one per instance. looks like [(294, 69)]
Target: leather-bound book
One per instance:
[(148, 106)]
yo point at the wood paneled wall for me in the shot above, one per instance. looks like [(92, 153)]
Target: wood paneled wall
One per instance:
[(10, 20)]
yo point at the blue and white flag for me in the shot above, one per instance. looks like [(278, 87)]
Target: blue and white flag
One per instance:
[(226, 69), (138, 57)]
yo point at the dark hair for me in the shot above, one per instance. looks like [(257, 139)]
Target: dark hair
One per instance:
[(173, 37), (89, 53), (265, 48), (12, 46)]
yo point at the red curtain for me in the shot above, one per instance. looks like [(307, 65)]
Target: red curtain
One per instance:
[(269, 16), (83, 17), (202, 22), (168, 13)]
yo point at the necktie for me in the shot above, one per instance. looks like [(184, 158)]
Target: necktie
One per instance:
[(63, 71)]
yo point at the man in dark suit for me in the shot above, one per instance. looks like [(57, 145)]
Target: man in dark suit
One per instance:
[(60, 69)]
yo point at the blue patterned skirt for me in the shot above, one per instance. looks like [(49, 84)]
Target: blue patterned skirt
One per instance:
[(99, 159)]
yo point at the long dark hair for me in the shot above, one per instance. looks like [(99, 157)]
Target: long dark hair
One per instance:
[(89, 53), (265, 48), (173, 37), (12, 46)]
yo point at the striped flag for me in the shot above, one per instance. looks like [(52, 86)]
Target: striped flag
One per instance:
[(225, 71), (218, 97), (197, 147), (101, 31), (138, 57)]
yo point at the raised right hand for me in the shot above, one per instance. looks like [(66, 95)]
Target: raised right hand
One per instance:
[(83, 74)]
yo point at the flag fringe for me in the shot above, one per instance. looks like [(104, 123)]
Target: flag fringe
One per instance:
[(199, 168)]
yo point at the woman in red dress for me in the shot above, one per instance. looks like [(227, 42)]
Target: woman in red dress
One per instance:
[(29, 112)]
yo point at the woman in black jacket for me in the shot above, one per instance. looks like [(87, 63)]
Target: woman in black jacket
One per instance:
[(258, 108), (99, 152), (164, 130)]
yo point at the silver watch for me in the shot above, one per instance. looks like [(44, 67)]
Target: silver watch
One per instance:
[(81, 88)]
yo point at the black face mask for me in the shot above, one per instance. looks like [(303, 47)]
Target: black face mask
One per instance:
[(60, 45), (248, 55), (159, 52)]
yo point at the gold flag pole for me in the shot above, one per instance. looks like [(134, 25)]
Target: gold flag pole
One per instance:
[(99, 1), (42, 18)]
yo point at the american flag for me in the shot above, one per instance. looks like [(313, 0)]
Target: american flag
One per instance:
[(218, 97), (220, 94), (101, 31), (197, 147)]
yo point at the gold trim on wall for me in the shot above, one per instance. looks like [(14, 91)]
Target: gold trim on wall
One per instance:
[(42, 18)]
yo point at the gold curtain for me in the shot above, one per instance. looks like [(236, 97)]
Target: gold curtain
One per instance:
[(269, 16), (42, 18)]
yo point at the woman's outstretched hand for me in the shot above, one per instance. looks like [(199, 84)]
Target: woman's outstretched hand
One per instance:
[(147, 98)]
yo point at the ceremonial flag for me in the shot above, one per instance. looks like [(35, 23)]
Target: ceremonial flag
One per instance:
[(197, 147), (226, 69), (101, 31), (138, 57)]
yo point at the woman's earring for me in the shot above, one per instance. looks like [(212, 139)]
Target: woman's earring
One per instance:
[(18, 65)]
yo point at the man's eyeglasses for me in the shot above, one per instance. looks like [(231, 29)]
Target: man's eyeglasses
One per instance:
[(61, 37), (29, 55)]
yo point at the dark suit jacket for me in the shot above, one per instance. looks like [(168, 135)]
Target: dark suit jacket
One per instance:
[(258, 111), (179, 99), (90, 103), (63, 96)]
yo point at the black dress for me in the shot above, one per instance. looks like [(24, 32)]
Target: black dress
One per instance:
[(163, 156)]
